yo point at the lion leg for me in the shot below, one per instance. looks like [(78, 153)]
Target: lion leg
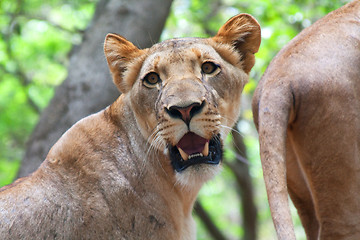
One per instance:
[(301, 196), (337, 186)]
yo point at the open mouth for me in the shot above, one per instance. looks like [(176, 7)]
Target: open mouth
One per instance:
[(193, 149)]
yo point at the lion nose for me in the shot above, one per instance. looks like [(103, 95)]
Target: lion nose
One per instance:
[(185, 113)]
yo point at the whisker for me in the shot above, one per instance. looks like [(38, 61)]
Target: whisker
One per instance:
[(180, 184), (241, 158), (237, 155), (232, 129), (156, 144)]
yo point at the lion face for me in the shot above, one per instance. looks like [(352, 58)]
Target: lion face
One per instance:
[(186, 79), (185, 93)]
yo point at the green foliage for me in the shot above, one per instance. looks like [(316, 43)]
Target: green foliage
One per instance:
[(35, 40)]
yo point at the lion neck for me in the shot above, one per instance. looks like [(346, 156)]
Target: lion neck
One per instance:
[(156, 165)]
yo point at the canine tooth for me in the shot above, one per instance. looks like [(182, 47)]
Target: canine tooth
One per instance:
[(205, 152), (183, 154)]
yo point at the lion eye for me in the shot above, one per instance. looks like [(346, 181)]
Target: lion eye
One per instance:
[(151, 79), (208, 67)]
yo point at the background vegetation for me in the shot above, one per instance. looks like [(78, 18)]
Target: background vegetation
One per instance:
[(37, 37)]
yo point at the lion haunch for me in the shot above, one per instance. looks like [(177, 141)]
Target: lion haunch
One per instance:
[(307, 111), (133, 170)]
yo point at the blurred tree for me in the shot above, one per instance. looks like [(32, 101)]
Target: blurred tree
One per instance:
[(35, 38), (88, 87)]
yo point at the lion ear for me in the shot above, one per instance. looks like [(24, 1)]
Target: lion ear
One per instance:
[(120, 53), (244, 34)]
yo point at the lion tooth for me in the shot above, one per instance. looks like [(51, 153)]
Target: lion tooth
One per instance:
[(196, 155), (205, 151), (183, 154)]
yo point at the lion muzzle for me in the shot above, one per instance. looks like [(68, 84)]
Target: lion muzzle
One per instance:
[(185, 113)]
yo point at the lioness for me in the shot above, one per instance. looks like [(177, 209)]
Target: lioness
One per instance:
[(307, 111), (133, 170)]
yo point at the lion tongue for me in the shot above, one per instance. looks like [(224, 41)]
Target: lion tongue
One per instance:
[(191, 144)]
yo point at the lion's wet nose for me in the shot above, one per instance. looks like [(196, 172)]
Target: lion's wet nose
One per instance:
[(185, 113)]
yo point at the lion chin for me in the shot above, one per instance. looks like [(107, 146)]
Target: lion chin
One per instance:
[(196, 159)]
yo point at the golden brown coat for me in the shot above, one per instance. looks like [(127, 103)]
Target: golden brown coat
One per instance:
[(307, 111), (110, 176)]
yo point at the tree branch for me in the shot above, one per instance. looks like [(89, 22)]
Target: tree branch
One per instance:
[(53, 24), (209, 224), (240, 170)]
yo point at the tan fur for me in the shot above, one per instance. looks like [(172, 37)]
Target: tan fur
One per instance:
[(110, 176), (307, 111)]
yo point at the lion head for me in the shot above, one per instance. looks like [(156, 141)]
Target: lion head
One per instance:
[(185, 93)]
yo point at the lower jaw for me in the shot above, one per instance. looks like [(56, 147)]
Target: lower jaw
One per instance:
[(214, 157)]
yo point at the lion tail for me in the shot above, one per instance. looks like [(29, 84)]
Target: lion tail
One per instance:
[(271, 109)]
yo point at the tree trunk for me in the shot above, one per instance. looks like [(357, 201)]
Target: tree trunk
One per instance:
[(88, 87), (240, 169)]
